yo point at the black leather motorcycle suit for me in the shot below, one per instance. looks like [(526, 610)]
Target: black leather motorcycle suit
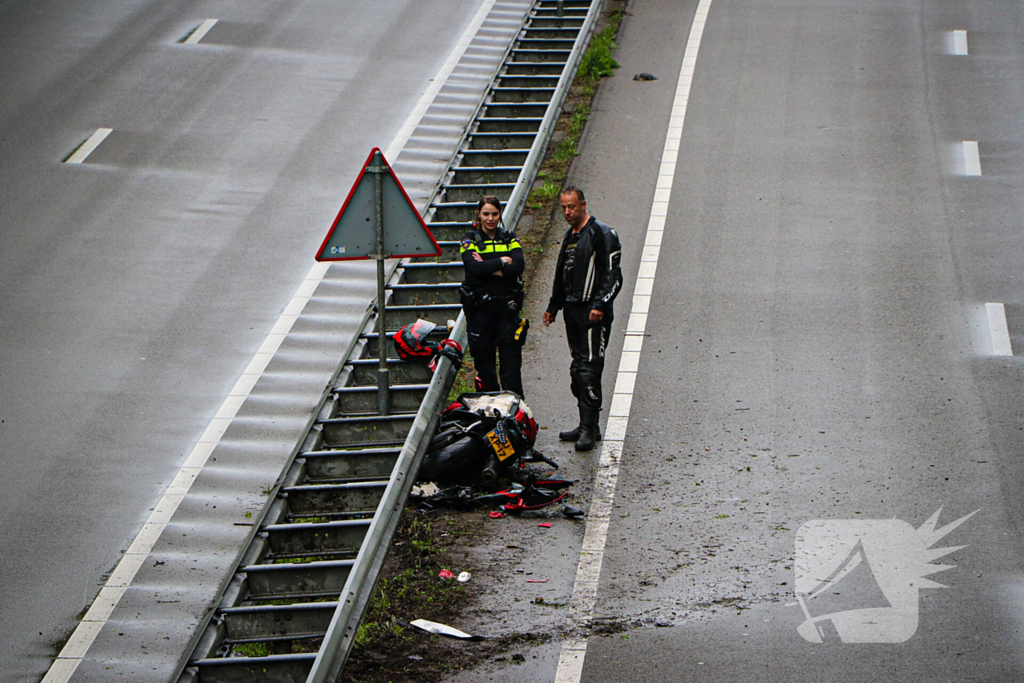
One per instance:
[(587, 277)]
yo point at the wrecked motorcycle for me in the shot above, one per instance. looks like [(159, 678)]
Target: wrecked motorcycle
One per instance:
[(481, 439)]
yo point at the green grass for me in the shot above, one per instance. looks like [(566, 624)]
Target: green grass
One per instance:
[(546, 192), (412, 589), (465, 380), (252, 649), (598, 61), (566, 151), (578, 120)]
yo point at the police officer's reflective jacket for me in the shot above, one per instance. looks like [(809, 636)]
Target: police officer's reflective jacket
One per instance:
[(596, 276), (480, 277)]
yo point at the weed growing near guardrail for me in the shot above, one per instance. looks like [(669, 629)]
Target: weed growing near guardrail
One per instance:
[(598, 61), (465, 379), (547, 191), (409, 588), (415, 591)]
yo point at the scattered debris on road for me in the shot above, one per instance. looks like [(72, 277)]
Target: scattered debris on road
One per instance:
[(442, 629)]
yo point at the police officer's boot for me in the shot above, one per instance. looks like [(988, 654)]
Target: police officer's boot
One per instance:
[(588, 427)]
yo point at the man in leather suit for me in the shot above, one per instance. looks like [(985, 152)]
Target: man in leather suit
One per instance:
[(587, 280)]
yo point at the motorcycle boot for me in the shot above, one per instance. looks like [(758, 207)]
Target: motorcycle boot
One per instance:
[(588, 429), (574, 434)]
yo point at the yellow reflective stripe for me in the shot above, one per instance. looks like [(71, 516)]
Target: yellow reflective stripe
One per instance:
[(489, 246), (498, 247)]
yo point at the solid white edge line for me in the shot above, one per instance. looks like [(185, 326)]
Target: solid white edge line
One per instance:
[(89, 145), (960, 43), (85, 633), (972, 158), (200, 32), (588, 570), (999, 330)]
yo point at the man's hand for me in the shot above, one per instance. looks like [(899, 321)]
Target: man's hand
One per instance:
[(548, 318), (477, 256), (596, 316)]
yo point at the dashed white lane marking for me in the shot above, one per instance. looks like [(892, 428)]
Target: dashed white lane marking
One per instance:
[(588, 571), (89, 627), (972, 159), (960, 42), (999, 330), (200, 32), (89, 145)]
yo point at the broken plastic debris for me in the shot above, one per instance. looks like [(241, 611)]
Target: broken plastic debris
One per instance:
[(424, 489), (496, 515), (536, 581), (442, 630), (446, 575), (464, 577), (546, 525)]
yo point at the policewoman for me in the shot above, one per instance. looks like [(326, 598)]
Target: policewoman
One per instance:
[(492, 296)]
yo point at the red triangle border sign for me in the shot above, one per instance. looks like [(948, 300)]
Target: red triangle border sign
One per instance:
[(364, 253)]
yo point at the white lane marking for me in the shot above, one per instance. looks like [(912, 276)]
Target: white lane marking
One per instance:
[(99, 612), (200, 32), (89, 145), (999, 330), (588, 571), (960, 42), (972, 159)]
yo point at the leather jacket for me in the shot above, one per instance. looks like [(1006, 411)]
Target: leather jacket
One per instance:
[(596, 276)]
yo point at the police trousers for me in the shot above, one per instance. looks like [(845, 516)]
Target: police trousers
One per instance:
[(491, 339), (587, 342)]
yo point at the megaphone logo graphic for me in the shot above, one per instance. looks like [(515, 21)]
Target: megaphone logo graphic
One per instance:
[(862, 577)]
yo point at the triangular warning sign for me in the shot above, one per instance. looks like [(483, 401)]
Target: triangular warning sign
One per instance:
[(354, 232)]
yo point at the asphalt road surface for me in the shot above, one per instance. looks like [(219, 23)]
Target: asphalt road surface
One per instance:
[(136, 286), (818, 347)]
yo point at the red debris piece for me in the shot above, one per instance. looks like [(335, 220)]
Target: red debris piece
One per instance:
[(446, 575), (546, 525), (536, 581), (497, 515)]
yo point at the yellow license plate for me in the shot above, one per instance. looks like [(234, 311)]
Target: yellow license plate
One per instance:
[(502, 450)]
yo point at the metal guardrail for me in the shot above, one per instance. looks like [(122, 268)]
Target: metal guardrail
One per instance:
[(313, 567), (342, 633), (521, 192)]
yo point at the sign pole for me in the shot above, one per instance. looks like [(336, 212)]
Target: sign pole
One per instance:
[(359, 232), (377, 168)]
